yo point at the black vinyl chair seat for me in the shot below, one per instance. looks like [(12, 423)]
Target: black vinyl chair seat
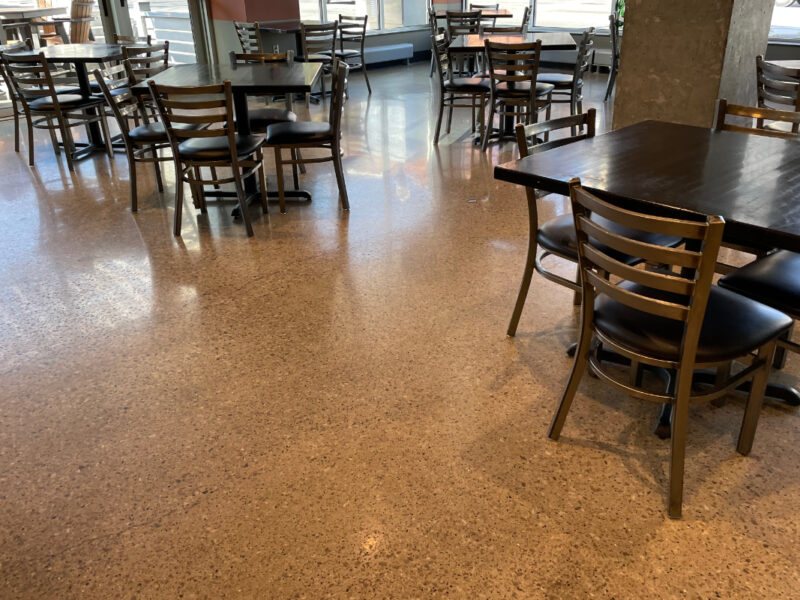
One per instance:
[(155, 132), (213, 147), (732, 327), (261, 118), (95, 87), (299, 132), (557, 79), (773, 280), (558, 235), (523, 89), (468, 84), (66, 102)]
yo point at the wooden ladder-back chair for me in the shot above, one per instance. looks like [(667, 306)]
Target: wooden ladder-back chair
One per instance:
[(777, 87), (249, 37)]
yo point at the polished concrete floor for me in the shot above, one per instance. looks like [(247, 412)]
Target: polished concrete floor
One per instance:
[(331, 408)]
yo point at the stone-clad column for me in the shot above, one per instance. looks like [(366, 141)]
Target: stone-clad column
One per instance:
[(679, 56)]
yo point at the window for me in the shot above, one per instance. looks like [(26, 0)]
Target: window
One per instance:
[(785, 21), (573, 14), (383, 14)]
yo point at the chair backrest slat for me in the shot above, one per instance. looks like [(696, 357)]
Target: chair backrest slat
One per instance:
[(318, 38), (576, 123), (759, 114), (146, 61), (249, 37), (680, 295), (514, 64), (257, 58), (462, 23)]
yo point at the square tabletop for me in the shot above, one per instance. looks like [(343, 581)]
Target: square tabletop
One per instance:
[(750, 180), (77, 53), (556, 40), (278, 77)]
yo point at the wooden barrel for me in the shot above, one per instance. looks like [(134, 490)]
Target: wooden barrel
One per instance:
[(80, 21)]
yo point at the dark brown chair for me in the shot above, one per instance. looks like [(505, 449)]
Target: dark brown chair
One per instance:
[(319, 45), (47, 107), (486, 21), (613, 28), (455, 92), (261, 118), (142, 136), (249, 37), (146, 61), (183, 110), (17, 109), (669, 319), (773, 280), (755, 115), (515, 93), (463, 23), (127, 40), (314, 134), (556, 237), (777, 87), (353, 33), (568, 87), (521, 28)]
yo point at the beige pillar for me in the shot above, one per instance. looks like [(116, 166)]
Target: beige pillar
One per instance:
[(679, 56)]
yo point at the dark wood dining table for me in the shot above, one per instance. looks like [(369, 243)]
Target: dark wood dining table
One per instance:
[(551, 40), (24, 17), (81, 55), (665, 168), (246, 80)]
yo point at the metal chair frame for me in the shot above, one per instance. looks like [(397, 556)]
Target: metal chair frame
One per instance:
[(32, 79), (193, 106), (691, 289), (510, 65), (451, 98)]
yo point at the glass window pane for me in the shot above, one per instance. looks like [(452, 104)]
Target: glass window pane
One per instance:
[(355, 8), (309, 10), (517, 8), (785, 21), (572, 14), (405, 13)]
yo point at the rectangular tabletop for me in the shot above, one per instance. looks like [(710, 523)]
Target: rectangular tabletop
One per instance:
[(270, 78), (751, 181), (78, 53), (557, 40)]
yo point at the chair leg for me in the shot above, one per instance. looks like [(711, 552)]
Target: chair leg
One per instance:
[(279, 176), (756, 398), (132, 177), (197, 191), (30, 142), (157, 169), (577, 296), (214, 176), (16, 128), (51, 129), (489, 125), (106, 136), (69, 145), (578, 367), (612, 77), (473, 100), (262, 181), (450, 113), (295, 180), (337, 167), (176, 230), (680, 424), (237, 180), (439, 121), (366, 77), (302, 165), (530, 265)]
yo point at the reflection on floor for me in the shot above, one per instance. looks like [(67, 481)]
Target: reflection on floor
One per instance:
[(331, 408)]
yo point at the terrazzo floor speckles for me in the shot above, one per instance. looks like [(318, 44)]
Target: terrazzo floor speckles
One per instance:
[(331, 408)]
